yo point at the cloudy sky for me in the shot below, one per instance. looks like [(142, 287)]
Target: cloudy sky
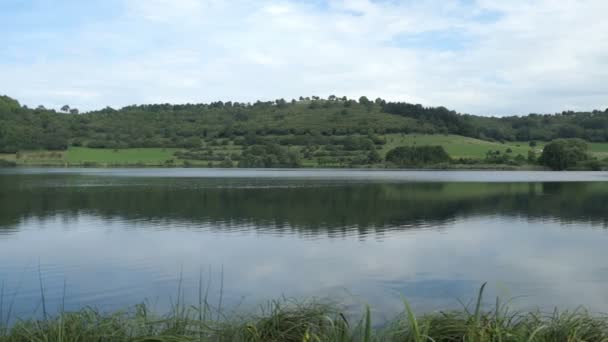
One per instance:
[(481, 57)]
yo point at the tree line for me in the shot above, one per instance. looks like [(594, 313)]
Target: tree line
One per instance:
[(186, 125)]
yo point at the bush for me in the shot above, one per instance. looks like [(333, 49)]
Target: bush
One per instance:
[(591, 164), (191, 143), (417, 155), (563, 154), (272, 155), (226, 163), (7, 163), (532, 157), (357, 143), (373, 157)]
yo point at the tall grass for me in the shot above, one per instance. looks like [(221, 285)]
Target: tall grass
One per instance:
[(288, 320)]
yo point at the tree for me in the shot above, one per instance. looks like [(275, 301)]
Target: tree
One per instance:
[(374, 157), (563, 154), (74, 111), (65, 108), (364, 101), (380, 101), (191, 143), (226, 163), (281, 103)]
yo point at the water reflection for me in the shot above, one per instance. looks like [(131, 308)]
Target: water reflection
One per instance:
[(116, 240), (286, 207)]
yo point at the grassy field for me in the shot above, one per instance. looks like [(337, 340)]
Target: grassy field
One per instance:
[(145, 156), (456, 146), (77, 156), (600, 150)]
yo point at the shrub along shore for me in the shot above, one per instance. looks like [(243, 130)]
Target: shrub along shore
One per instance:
[(309, 321)]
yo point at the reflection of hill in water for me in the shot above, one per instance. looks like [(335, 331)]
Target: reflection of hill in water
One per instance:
[(310, 207)]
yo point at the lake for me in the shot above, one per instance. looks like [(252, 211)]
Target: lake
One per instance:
[(112, 238)]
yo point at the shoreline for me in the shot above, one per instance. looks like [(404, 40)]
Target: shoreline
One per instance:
[(454, 167), (290, 320)]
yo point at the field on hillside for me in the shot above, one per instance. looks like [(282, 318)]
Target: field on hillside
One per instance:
[(213, 153), (42, 158), (458, 146), (76, 156), (145, 156), (600, 150)]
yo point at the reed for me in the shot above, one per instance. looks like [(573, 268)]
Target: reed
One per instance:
[(308, 321)]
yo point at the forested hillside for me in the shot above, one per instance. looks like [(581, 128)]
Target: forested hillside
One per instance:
[(298, 121), (332, 132)]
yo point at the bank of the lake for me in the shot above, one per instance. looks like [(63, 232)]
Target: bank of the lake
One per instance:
[(165, 158), (290, 321)]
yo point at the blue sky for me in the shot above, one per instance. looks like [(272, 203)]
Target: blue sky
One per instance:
[(482, 57)]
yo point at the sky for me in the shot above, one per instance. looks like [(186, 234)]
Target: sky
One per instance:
[(485, 57)]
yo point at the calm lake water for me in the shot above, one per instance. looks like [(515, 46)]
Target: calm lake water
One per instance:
[(111, 238)]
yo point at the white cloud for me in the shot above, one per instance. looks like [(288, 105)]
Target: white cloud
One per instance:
[(492, 57)]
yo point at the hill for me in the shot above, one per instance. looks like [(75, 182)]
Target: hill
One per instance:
[(322, 132)]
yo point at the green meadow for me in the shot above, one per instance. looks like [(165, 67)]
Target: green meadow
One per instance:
[(143, 156), (458, 146), (600, 150), (212, 153)]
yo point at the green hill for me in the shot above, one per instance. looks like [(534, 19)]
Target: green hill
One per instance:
[(310, 132)]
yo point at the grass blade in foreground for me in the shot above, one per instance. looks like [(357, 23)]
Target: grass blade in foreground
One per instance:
[(310, 322)]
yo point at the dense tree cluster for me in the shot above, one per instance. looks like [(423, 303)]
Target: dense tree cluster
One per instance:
[(591, 126), (442, 119), (563, 154), (22, 128), (269, 156)]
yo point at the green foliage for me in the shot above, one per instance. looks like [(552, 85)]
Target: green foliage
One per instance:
[(364, 101), (563, 154), (532, 159), (354, 143), (290, 321), (22, 128), (374, 157), (417, 155), (226, 163), (7, 163), (313, 122), (271, 155)]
